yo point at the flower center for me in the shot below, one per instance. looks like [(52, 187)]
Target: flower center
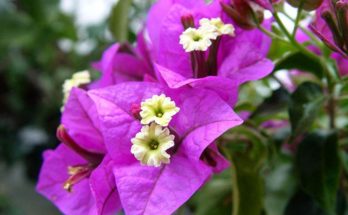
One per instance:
[(159, 112), (196, 37), (153, 145)]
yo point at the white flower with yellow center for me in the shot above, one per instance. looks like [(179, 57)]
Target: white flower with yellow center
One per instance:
[(159, 109), (78, 79), (150, 145), (193, 39), (215, 27)]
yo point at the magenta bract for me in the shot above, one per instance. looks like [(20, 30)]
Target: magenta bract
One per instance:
[(203, 117)]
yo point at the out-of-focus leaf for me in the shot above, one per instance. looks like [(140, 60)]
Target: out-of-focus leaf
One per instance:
[(279, 48), (304, 106), (248, 164), (280, 185), (276, 102), (318, 166), (251, 191), (301, 62), (214, 197), (39, 10), (302, 204), (118, 22)]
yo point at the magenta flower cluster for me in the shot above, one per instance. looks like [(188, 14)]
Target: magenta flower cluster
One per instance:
[(96, 169)]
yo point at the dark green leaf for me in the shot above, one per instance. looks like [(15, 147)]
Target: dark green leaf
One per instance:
[(302, 204), (304, 106), (301, 62), (118, 23), (273, 104), (318, 164), (214, 197)]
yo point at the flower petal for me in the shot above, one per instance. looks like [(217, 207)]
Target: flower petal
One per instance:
[(148, 190), (104, 189), (224, 87), (81, 121), (54, 173)]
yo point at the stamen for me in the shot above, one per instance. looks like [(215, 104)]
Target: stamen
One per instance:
[(77, 173)]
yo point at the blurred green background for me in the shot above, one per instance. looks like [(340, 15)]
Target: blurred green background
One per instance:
[(42, 43)]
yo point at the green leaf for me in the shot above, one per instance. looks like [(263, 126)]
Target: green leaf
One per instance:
[(276, 102), (118, 22), (248, 183), (251, 192), (280, 184), (318, 166), (214, 197), (279, 48), (301, 62), (302, 204), (304, 106)]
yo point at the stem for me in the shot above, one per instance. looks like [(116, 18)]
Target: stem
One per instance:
[(332, 111), (323, 63), (271, 34), (306, 31), (235, 189), (298, 17), (279, 81), (282, 26)]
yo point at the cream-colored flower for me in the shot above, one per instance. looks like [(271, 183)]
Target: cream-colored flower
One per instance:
[(159, 109), (76, 80), (150, 145), (193, 39), (215, 27)]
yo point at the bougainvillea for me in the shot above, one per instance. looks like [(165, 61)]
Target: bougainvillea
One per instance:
[(165, 117)]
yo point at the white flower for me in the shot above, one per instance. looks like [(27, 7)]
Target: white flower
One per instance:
[(76, 80), (215, 27), (150, 145), (159, 109), (193, 39)]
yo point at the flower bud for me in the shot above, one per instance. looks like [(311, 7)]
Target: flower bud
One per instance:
[(335, 16), (245, 14), (188, 21), (307, 4), (342, 12), (66, 139)]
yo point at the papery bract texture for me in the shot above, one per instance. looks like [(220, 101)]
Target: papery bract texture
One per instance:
[(92, 191), (202, 118), (239, 59), (122, 62)]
